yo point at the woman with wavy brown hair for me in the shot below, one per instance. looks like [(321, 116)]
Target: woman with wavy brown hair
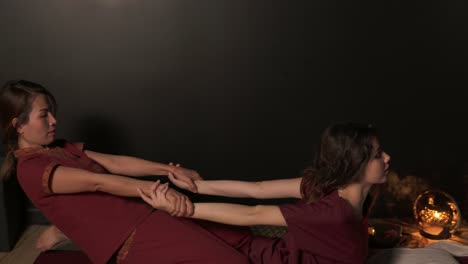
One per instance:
[(329, 222)]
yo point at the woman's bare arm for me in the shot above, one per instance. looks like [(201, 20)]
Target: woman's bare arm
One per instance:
[(232, 214), (235, 214), (285, 188), (136, 167), (73, 180)]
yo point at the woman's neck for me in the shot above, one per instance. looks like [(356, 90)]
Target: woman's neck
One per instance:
[(22, 144), (356, 195)]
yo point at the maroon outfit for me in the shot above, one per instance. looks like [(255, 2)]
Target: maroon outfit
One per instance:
[(100, 223), (326, 231), (323, 232)]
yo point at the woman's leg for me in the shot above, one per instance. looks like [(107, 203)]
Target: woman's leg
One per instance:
[(237, 237), (258, 249), (49, 238), (167, 239)]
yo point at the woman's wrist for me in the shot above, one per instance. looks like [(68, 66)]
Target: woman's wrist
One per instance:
[(199, 184), (170, 169), (146, 186)]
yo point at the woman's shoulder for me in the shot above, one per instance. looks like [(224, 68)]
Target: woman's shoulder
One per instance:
[(325, 204), (331, 204), (60, 148), (330, 209)]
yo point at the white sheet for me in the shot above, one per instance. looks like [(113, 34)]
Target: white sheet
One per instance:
[(412, 256)]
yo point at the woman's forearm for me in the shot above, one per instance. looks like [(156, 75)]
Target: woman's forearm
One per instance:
[(286, 188), (121, 185), (235, 214), (228, 188), (137, 167), (131, 166), (73, 180)]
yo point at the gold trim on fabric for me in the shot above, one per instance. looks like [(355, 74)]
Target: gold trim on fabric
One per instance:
[(123, 252), (27, 151), (46, 177), (61, 153)]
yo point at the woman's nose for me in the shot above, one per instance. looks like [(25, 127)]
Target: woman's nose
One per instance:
[(52, 120), (387, 157)]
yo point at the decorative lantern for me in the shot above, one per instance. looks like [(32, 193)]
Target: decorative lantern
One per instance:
[(437, 214)]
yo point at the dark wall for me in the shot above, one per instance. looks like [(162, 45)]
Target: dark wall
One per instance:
[(243, 89)]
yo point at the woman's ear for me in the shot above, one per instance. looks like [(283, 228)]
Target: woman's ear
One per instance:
[(14, 123)]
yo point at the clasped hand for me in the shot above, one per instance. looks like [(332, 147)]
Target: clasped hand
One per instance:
[(161, 197), (184, 178)]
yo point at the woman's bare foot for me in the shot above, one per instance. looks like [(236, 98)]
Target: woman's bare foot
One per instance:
[(49, 238)]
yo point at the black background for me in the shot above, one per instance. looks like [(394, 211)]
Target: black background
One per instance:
[(243, 89)]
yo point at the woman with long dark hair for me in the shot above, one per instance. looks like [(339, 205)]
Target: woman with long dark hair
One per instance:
[(83, 194), (327, 225)]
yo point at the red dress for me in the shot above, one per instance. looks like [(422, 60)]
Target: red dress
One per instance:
[(323, 232), (100, 223), (326, 231)]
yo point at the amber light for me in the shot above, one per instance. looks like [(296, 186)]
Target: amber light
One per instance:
[(437, 214)]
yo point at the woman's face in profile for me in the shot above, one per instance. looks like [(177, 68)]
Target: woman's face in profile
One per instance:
[(40, 128), (377, 167)]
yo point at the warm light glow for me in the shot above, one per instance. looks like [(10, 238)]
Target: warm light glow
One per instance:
[(429, 216), (431, 201), (437, 214)]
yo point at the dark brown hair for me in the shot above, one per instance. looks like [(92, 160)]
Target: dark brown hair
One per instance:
[(344, 152), (16, 98)]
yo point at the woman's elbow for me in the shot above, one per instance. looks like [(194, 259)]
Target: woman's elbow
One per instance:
[(96, 184), (255, 215), (96, 188), (257, 190)]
